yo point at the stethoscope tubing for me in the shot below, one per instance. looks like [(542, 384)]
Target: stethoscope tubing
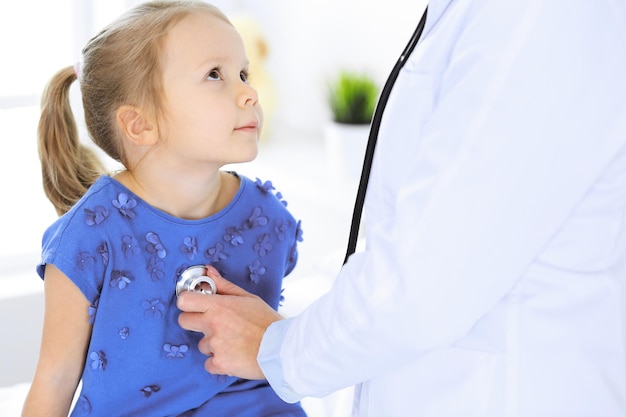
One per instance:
[(373, 135)]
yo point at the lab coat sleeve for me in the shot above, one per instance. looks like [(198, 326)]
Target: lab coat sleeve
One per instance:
[(526, 115)]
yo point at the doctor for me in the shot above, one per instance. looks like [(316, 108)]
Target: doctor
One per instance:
[(493, 279)]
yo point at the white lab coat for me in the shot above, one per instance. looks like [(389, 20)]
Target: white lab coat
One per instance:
[(492, 283)]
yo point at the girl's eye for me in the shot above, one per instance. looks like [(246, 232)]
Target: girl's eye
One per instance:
[(213, 75), (244, 76)]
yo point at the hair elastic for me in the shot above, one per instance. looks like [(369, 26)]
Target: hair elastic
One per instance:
[(78, 67)]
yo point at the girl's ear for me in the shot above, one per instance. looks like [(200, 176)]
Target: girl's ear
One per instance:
[(136, 126)]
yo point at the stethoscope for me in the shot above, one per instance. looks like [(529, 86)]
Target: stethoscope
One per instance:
[(195, 277), (373, 136)]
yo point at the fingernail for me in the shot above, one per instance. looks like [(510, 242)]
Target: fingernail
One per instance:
[(211, 270)]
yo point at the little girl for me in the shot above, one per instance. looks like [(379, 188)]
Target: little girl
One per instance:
[(165, 92)]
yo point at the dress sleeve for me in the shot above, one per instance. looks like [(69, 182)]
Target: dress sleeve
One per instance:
[(526, 116), (71, 245)]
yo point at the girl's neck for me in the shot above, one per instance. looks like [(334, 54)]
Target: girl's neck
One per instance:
[(190, 199)]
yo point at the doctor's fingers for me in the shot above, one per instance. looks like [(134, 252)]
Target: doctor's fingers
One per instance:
[(193, 302), (220, 356), (195, 322), (196, 312), (212, 313), (231, 357), (224, 286)]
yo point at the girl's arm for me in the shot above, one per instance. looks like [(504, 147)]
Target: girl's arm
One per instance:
[(66, 332)]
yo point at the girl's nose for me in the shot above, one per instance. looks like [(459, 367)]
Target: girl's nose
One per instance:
[(248, 95)]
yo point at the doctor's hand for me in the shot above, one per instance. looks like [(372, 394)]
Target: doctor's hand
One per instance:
[(233, 322)]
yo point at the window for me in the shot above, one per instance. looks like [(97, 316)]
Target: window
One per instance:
[(37, 38)]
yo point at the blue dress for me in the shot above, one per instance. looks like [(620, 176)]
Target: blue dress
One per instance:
[(126, 257)]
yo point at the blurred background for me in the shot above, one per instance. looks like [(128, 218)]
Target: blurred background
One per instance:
[(296, 48)]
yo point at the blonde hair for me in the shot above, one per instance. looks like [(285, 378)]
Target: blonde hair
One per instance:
[(120, 66)]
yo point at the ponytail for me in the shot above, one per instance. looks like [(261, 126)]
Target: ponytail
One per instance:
[(68, 167)]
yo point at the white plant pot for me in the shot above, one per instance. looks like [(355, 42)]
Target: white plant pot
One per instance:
[(345, 149)]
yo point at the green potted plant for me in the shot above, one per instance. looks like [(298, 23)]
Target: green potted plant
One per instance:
[(352, 99)]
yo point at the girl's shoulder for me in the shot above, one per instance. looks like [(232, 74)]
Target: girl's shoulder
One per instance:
[(90, 210)]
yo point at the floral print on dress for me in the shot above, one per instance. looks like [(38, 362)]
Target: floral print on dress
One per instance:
[(266, 186), (233, 236), (148, 390), (263, 245), (98, 360), (279, 196), (155, 268), (281, 227), (216, 253), (154, 245), (84, 261), (103, 251), (256, 271), (189, 247), (130, 246), (175, 352), (125, 205), (124, 332), (121, 279), (91, 311), (96, 216), (153, 308), (256, 219)]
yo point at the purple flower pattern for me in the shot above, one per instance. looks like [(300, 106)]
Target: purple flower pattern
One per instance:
[(153, 308), (154, 245), (263, 245), (103, 251), (279, 196), (155, 268), (84, 261), (92, 310), (125, 204), (130, 246), (98, 360), (256, 219), (96, 216), (189, 247), (266, 186), (124, 332), (233, 236), (281, 227), (148, 390), (121, 279), (175, 352), (256, 271), (216, 253)]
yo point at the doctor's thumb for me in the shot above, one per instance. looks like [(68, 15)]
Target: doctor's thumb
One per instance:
[(224, 286)]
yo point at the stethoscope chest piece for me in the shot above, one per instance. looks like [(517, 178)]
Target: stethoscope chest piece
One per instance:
[(194, 279)]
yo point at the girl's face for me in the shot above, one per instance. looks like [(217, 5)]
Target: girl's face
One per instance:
[(211, 112)]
